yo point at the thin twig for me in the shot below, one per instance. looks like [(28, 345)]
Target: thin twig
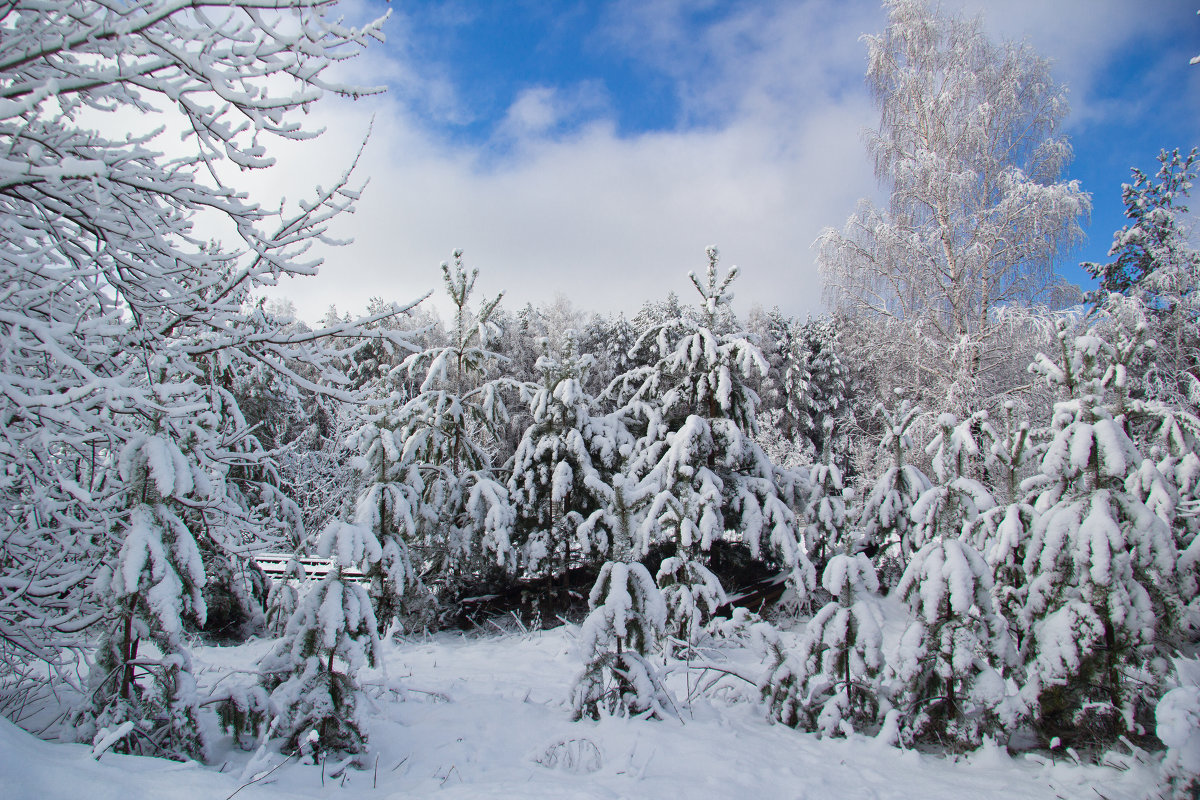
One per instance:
[(260, 777)]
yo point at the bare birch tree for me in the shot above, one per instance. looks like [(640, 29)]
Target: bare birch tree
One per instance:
[(968, 143)]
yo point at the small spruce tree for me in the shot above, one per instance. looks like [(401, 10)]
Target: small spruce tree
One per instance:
[(1103, 590), (311, 674), (627, 620), (155, 584), (834, 685), (951, 655), (886, 515)]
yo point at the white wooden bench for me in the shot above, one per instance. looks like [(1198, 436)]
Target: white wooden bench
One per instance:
[(274, 566)]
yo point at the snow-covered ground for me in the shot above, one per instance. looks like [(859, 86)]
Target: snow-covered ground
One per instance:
[(471, 716)]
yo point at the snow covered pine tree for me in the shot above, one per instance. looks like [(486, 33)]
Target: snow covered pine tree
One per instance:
[(446, 434), (311, 672), (1103, 593), (697, 461), (622, 631), (833, 683)]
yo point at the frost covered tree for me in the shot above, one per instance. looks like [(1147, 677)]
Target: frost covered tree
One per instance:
[(446, 436), (968, 147), (885, 518), (561, 473), (948, 665), (696, 457), (623, 629), (832, 684), (1103, 593), (121, 322), (311, 673)]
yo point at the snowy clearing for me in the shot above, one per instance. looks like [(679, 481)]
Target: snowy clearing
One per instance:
[(489, 717)]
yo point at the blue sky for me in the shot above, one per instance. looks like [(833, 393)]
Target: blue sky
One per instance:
[(593, 150)]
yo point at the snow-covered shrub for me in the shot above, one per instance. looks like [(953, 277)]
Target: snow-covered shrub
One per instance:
[(623, 630), (311, 672), (948, 668), (832, 685), (692, 595), (242, 714), (738, 627), (577, 756), (782, 683), (885, 518), (1103, 593)]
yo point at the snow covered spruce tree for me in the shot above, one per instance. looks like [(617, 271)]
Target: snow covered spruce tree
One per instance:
[(121, 324), (828, 531), (969, 147), (311, 674), (446, 435), (696, 459), (949, 663), (832, 683), (951, 506), (885, 518), (1103, 593), (627, 621), (563, 466), (386, 506), (156, 580), (1002, 532)]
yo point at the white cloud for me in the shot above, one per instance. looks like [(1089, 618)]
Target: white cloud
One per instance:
[(767, 153)]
